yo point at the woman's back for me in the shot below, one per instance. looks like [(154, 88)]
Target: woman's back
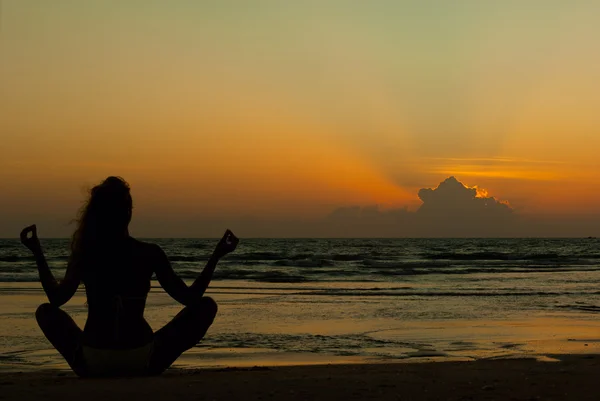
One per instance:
[(116, 271), (117, 282)]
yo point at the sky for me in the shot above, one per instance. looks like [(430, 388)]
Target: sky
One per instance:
[(268, 115)]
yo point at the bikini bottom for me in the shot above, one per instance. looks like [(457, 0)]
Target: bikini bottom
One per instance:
[(117, 362)]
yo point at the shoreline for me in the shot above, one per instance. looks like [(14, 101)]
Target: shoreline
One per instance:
[(294, 329), (571, 377)]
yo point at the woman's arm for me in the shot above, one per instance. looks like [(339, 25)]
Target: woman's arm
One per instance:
[(177, 288), (59, 293)]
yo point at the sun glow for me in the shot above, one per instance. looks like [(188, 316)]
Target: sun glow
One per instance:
[(292, 113)]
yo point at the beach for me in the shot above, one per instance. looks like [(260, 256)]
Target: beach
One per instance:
[(569, 378), (377, 319), (536, 356), (274, 327)]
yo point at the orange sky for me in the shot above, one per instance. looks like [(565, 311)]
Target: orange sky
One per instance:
[(280, 111)]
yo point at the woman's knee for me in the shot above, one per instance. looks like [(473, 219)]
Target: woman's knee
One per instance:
[(44, 312), (206, 307), (210, 304)]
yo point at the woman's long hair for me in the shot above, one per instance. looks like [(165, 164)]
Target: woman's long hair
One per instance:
[(102, 224)]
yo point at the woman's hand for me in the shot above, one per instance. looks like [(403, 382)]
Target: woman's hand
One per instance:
[(226, 245), (33, 242)]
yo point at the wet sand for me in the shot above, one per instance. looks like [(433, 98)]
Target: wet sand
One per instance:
[(293, 329), (572, 377)]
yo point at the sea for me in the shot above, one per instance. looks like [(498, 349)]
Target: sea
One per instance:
[(311, 301)]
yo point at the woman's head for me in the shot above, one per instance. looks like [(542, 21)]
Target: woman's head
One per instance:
[(110, 206), (104, 219)]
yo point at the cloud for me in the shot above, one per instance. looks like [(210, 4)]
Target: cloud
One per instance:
[(452, 209), (455, 209), (453, 199)]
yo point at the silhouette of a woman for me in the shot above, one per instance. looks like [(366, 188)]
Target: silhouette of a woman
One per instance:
[(116, 270)]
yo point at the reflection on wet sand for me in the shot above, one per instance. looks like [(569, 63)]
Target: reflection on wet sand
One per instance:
[(292, 326)]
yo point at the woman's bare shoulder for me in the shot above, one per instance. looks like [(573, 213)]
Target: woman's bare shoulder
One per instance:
[(147, 248)]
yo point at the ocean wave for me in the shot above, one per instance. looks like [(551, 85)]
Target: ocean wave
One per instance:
[(303, 263), (18, 279), (16, 258), (493, 256), (353, 257), (265, 277), (580, 307), (278, 256), (358, 275), (279, 277), (258, 256), (415, 271), (273, 276), (189, 258), (29, 258), (458, 293), (199, 246), (316, 271), (591, 256)]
